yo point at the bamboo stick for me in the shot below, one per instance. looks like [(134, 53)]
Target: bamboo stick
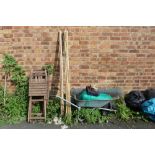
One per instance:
[(68, 107), (61, 73)]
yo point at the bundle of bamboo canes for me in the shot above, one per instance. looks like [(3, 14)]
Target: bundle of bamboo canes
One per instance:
[(64, 68)]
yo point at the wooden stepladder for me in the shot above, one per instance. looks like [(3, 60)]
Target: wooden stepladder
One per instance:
[(38, 93), (64, 72)]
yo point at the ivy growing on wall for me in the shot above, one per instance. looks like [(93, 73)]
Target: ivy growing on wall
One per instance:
[(13, 105)]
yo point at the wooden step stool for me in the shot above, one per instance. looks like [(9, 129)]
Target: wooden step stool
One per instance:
[(38, 93)]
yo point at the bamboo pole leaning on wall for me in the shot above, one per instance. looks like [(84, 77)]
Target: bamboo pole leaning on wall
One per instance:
[(67, 78), (61, 73)]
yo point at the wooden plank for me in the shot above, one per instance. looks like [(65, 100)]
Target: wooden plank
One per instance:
[(37, 117), (38, 85), (37, 114), (37, 81), (36, 89), (37, 100), (37, 92)]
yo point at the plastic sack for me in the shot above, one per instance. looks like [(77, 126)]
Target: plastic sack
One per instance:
[(101, 96), (149, 93), (148, 107), (134, 100)]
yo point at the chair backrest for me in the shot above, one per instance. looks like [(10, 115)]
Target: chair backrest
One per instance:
[(38, 83), (38, 76)]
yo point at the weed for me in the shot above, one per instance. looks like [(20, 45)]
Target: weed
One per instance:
[(90, 116), (123, 112)]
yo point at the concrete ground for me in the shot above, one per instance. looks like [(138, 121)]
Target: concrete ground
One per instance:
[(113, 124)]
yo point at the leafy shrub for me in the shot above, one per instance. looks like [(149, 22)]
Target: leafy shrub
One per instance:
[(53, 108), (14, 109)]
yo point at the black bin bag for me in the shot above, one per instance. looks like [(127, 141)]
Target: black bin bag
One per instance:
[(149, 93), (134, 99)]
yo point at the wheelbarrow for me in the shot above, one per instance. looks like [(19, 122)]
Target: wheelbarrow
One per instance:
[(106, 105)]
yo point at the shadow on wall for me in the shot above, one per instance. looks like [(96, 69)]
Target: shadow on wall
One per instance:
[(56, 76)]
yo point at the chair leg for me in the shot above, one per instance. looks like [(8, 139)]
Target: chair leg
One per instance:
[(45, 110), (30, 109)]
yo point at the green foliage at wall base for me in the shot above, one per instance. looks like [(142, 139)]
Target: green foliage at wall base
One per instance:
[(53, 108), (15, 107)]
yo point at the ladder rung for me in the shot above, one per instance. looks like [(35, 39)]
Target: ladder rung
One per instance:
[(37, 114), (37, 100), (37, 118)]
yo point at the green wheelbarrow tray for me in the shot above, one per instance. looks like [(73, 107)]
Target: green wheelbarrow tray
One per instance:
[(116, 93)]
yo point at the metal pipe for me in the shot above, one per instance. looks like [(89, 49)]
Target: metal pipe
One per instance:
[(68, 102), (80, 107), (107, 109)]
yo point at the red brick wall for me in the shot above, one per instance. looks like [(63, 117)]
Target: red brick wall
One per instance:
[(109, 56)]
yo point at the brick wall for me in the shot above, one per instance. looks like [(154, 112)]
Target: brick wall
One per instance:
[(109, 56)]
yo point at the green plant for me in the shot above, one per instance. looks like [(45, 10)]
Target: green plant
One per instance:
[(14, 109), (68, 119), (1, 95), (36, 108), (15, 104), (123, 112), (49, 68), (16, 74), (53, 109), (90, 116), (8, 65)]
